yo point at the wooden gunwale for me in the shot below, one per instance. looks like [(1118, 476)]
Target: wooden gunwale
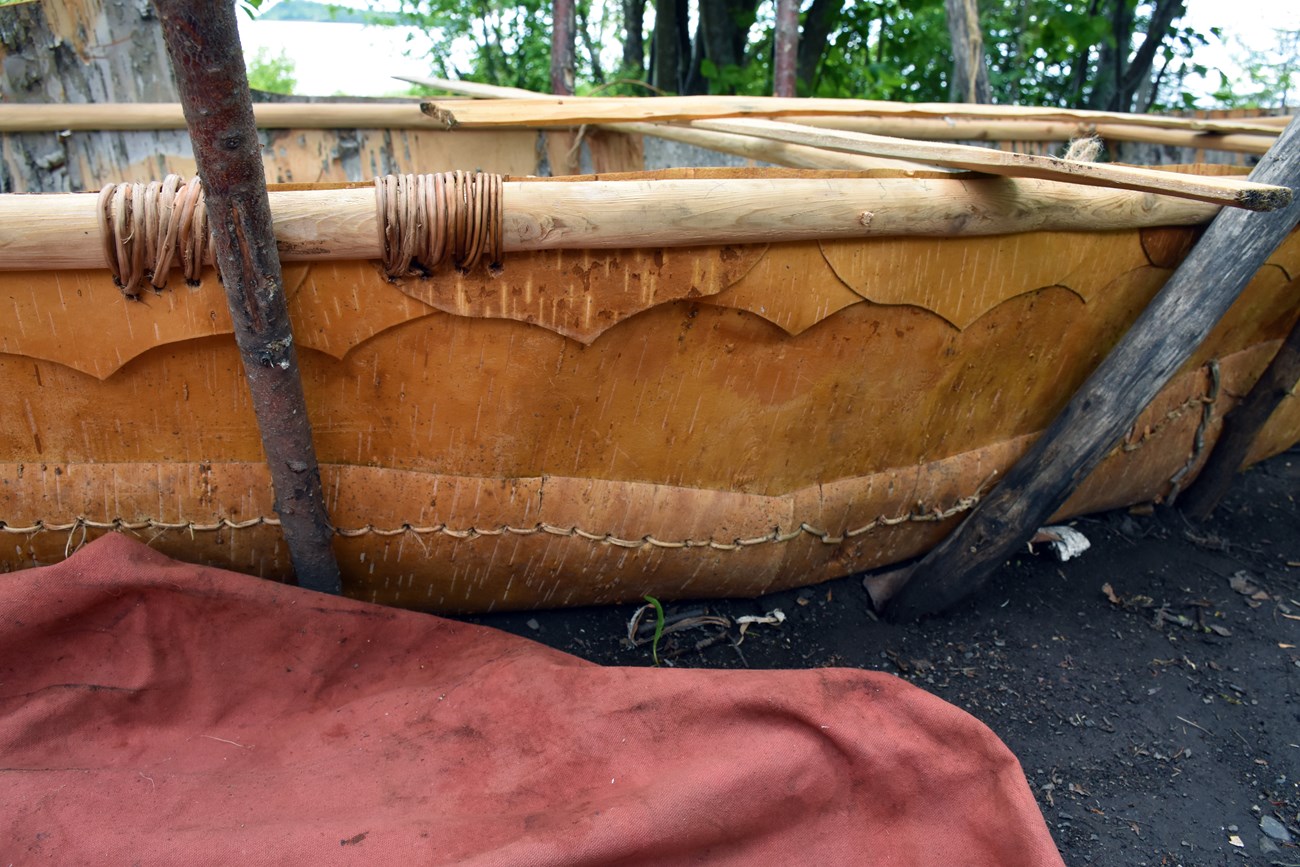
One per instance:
[(61, 230)]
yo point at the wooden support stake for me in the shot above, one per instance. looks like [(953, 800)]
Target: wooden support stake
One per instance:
[(1241, 427), (1198, 294), (203, 42)]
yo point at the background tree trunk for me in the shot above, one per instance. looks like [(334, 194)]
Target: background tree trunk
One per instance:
[(821, 19), (786, 50), (970, 74), (672, 45), (77, 51), (634, 37), (563, 34)]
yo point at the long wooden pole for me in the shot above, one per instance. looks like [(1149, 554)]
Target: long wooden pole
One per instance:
[(778, 153), (1219, 190), (949, 128), (542, 110), (203, 42), (1017, 130), (1241, 427), (1198, 294), (552, 111), (61, 230)]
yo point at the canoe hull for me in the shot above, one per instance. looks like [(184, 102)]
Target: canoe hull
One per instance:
[(589, 427)]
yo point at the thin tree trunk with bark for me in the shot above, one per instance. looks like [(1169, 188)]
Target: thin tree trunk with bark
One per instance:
[(563, 33), (786, 48), (970, 74), (634, 37), (668, 53), (203, 43)]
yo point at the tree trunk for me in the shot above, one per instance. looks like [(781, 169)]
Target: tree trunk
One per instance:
[(563, 33), (970, 74), (670, 55), (786, 50), (78, 51), (818, 23), (722, 31), (1139, 68), (1111, 63), (593, 51), (634, 37)]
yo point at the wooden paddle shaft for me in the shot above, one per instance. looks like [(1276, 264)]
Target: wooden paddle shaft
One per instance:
[(62, 231)]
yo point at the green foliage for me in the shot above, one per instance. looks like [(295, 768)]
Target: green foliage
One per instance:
[(1070, 53), (659, 628), (1271, 76), (271, 73)]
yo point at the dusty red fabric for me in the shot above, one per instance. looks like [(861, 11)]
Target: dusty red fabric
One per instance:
[(157, 712)]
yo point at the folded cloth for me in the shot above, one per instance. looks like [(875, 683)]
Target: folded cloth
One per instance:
[(154, 711)]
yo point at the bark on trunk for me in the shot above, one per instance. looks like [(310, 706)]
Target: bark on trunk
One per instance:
[(563, 33), (818, 23), (668, 54), (970, 75), (786, 50), (203, 43), (634, 37)]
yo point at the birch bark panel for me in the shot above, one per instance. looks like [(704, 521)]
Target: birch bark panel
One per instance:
[(718, 418), (491, 569), (687, 393)]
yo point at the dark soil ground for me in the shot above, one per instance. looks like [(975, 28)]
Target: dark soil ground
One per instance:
[(1157, 723)]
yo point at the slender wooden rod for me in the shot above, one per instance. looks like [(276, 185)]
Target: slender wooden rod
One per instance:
[(1219, 190), (1166, 333), (1019, 130), (169, 115), (777, 153), (203, 43), (1010, 128), (573, 111), (61, 230), (1246, 136)]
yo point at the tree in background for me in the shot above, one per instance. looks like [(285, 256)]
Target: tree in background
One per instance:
[(273, 73), (1271, 75)]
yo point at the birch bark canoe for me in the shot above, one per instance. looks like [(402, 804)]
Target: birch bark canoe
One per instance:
[(589, 425)]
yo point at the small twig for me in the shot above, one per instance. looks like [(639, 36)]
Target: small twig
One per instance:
[(1195, 726)]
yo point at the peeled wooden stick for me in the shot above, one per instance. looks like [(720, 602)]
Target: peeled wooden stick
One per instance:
[(574, 111), (168, 115), (1217, 190), (778, 153), (1014, 130), (61, 230)]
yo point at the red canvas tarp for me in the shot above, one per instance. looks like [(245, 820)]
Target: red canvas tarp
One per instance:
[(158, 712)]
